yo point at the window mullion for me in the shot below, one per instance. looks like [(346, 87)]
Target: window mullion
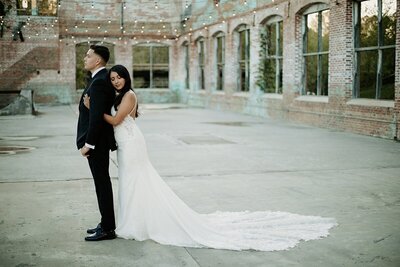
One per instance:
[(305, 40), (379, 75), (151, 67), (380, 53), (277, 53), (319, 60)]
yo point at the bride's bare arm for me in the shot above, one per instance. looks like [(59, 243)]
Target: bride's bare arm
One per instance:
[(126, 106)]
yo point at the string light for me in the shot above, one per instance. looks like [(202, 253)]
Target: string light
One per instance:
[(163, 26)]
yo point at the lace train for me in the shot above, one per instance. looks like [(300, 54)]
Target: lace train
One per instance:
[(149, 209)]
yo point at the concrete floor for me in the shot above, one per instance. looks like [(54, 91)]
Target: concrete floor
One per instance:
[(214, 161)]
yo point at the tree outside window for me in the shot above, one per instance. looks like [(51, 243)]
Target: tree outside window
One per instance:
[(37, 7), (375, 40), (269, 77), (316, 50), (150, 66)]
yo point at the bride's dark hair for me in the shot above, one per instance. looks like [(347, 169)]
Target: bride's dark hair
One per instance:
[(123, 73)]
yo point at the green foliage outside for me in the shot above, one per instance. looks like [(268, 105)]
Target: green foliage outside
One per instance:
[(368, 60)]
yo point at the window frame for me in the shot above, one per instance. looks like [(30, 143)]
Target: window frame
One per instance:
[(277, 21), (200, 43), (317, 8), (243, 86), (220, 65), (151, 65), (358, 48)]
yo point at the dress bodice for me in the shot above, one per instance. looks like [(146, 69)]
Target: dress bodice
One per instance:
[(125, 130)]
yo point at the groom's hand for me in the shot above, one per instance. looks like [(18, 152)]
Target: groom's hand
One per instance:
[(84, 151)]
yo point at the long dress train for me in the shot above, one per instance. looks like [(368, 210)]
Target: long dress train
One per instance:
[(149, 209)]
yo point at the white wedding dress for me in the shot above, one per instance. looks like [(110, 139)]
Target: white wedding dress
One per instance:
[(149, 209)]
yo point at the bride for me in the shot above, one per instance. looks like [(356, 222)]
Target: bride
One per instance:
[(149, 209)]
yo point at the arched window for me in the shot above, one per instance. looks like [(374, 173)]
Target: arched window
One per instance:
[(219, 40), (271, 35), (375, 42), (243, 33), (316, 49), (150, 66)]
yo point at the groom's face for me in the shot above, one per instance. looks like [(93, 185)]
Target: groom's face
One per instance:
[(91, 60)]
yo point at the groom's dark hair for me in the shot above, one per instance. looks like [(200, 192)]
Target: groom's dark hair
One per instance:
[(102, 51), (123, 73)]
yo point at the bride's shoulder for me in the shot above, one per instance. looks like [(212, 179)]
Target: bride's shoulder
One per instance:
[(131, 95)]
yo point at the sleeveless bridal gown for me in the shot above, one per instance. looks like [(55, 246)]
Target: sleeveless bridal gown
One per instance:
[(149, 209)]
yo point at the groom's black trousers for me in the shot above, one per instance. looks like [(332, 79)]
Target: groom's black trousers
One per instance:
[(99, 159)]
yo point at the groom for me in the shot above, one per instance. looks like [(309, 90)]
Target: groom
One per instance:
[(95, 138)]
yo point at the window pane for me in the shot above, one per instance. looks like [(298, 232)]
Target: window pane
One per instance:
[(81, 73), (160, 78), (243, 44), (271, 39), (312, 33), (24, 7), (311, 75), (186, 50), (280, 38), (160, 54), (325, 30), (47, 7), (388, 66), (141, 78), (368, 64), (243, 76), (141, 55), (220, 78), (220, 49), (202, 78), (201, 52), (369, 23), (270, 75), (324, 75), (280, 81), (389, 21)]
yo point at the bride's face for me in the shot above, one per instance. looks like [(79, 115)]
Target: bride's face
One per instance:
[(117, 81)]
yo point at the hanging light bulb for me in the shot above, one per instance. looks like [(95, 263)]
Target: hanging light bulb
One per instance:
[(92, 5)]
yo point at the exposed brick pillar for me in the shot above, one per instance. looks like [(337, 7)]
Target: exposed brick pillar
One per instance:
[(341, 53)]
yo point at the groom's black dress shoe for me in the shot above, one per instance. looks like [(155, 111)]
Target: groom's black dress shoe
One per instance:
[(94, 230), (101, 235)]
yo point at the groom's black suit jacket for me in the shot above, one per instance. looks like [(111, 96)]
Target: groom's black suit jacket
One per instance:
[(92, 128)]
